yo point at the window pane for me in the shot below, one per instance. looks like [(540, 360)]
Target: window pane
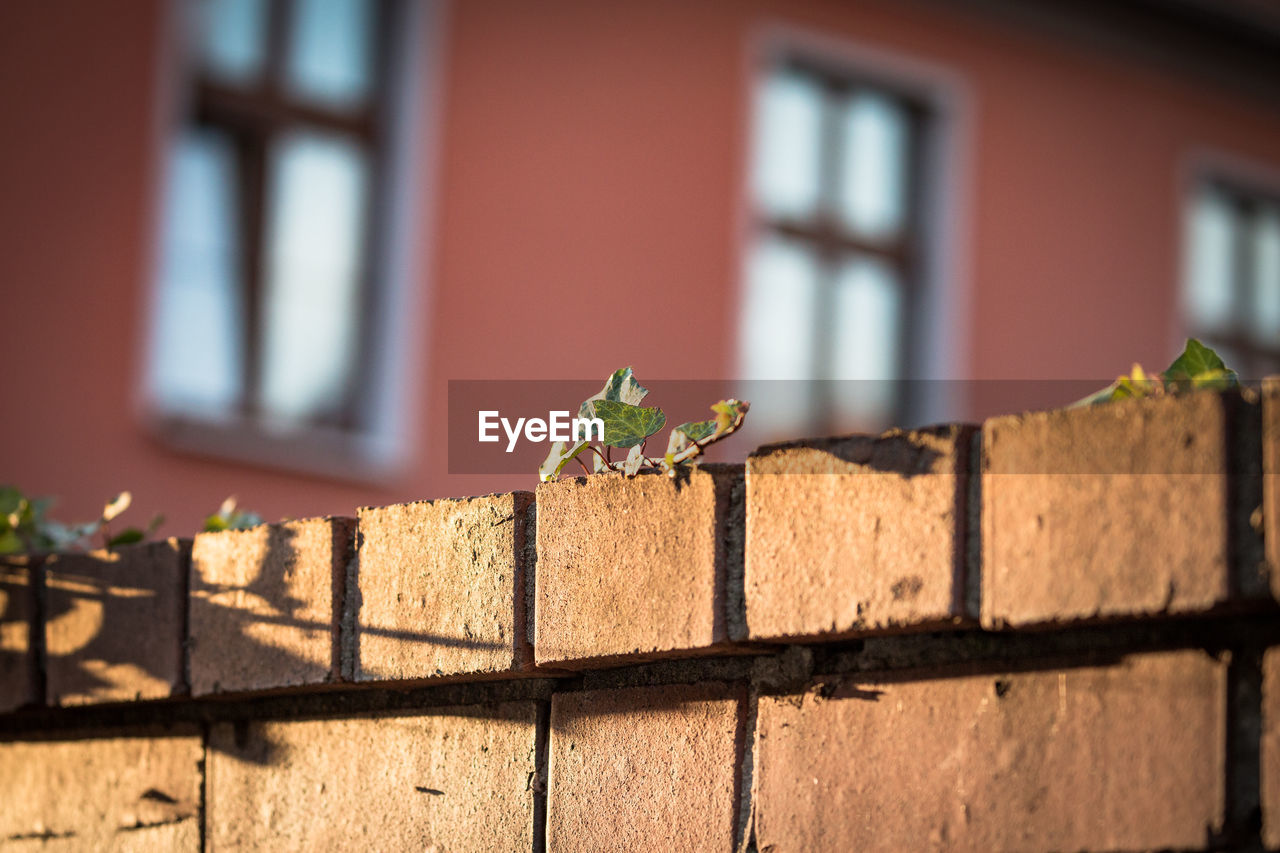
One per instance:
[(196, 349), (1210, 266), (330, 51), (788, 131), (1265, 315), (313, 275), (866, 310), (873, 184), (233, 37), (778, 333)]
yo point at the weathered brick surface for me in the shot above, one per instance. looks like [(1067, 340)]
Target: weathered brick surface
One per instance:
[(633, 567), (855, 534), (1111, 510), (441, 588), (114, 623), (18, 673), (452, 779), (1270, 780), (263, 605), (1122, 757), (1271, 477), (648, 768), (139, 792)]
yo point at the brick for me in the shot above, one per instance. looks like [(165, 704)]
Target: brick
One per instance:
[(441, 588), (1129, 756), (1112, 510), (1270, 758), (454, 779), (649, 768), (1271, 477), (18, 669), (114, 623), (265, 605), (633, 567), (856, 534), (137, 792)]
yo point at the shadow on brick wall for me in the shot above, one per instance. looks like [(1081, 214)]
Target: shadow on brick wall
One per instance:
[(113, 624)]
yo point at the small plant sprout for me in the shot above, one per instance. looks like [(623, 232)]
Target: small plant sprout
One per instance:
[(628, 426), (130, 535), (1198, 367), (231, 517)]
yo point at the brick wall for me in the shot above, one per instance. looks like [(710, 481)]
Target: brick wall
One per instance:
[(1052, 631)]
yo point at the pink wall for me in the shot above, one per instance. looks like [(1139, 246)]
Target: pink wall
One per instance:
[(590, 167)]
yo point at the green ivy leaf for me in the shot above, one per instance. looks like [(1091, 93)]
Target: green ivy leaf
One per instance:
[(688, 433), (626, 425), (620, 387), (560, 456), (729, 414), (696, 430), (128, 536), (214, 524), (1200, 367)]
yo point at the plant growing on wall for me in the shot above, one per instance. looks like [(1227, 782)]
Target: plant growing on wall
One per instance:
[(1197, 367), (230, 517), (629, 425), (25, 525)]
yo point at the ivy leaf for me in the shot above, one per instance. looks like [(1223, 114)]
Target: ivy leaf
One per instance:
[(560, 456), (117, 505), (696, 430), (689, 433), (128, 536), (687, 440), (729, 413), (634, 462), (620, 387), (228, 517), (1200, 367), (626, 425)]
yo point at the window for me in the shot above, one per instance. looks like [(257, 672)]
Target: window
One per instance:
[(1231, 282), (831, 276), (270, 274)]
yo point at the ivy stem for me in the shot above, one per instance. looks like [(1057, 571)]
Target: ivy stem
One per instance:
[(583, 464)]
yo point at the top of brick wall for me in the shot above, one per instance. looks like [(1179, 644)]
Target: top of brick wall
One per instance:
[(1135, 510)]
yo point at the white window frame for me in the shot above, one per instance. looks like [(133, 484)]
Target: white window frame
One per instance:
[(943, 319), (380, 452)]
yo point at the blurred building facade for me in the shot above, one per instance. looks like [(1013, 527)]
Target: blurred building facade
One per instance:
[(246, 245)]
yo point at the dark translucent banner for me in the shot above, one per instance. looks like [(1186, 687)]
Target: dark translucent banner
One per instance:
[(508, 426)]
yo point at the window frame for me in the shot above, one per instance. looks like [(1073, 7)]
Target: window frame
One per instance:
[(1245, 188), (368, 442), (936, 279), (833, 243)]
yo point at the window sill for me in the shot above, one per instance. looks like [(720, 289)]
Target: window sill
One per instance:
[(327, 453)]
